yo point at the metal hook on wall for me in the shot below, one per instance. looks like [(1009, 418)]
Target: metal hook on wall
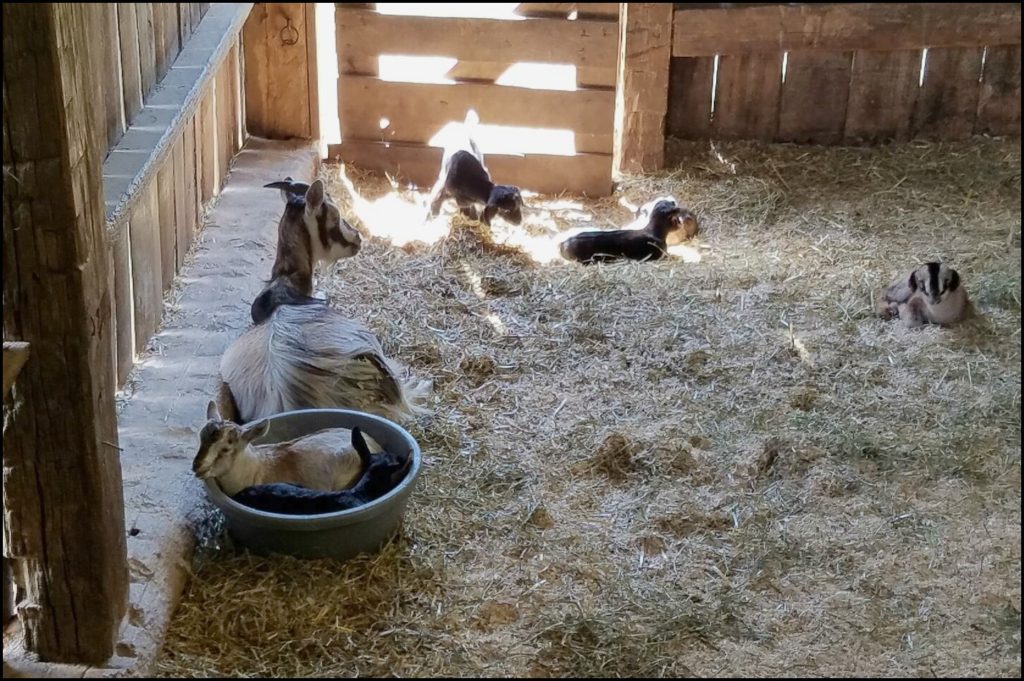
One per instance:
[(289, 39)]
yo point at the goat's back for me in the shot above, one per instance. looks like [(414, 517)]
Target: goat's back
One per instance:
[(611, 245)]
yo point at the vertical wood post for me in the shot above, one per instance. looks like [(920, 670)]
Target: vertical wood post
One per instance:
[(641, 93), (279, 53), (63, 504)]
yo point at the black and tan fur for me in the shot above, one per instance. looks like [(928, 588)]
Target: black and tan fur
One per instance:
[(667, 219)]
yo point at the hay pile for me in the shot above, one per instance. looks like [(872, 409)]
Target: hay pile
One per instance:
[(717, 465)]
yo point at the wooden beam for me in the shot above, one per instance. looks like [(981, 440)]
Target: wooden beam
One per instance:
[(63, 506), (641, 98), (840, 27), (280, 71)]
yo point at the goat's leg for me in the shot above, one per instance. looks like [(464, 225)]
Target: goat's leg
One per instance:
[(437, 197), (468, 209)]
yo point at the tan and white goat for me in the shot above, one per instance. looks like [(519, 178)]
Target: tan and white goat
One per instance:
[(930, 294), (325, 460)]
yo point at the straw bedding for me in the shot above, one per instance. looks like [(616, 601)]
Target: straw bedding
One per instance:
[(718, 464)]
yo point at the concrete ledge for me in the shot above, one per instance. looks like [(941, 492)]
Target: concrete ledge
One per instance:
[(159, 424)]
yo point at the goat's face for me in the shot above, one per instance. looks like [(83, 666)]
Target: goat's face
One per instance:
[(221, 442), (506, 201), (935, 281), (333, 237), (672, 222)]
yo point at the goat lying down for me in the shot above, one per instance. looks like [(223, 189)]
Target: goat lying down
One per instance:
[(465, 178), (311, 231), (666, 220), (306, 357)]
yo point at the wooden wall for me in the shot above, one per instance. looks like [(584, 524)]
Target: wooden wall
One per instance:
[(167, 166), (853, 72), (138, 42), (583, 35)]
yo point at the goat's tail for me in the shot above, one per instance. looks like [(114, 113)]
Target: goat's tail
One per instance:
[(469, 126)]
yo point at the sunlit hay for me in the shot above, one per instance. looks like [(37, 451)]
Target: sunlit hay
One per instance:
[(806, 489)]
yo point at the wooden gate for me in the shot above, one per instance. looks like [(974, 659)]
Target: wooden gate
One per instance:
[(540, 75)]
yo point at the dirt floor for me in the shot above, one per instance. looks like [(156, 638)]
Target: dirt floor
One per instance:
[(719, 464)]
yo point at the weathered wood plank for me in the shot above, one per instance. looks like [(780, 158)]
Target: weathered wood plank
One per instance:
[(181, 196), (193, 192), (131, 75), (587, 174), (225, 115), (67, 536), (168, 44), (312, 74), (883, 90), (147, 46), (814, 95), (279, 103), (689, 98), (364, 33), (837, 27), (112, 88), (206, 141), (124, 305), (947, 102), (747, 97), (417, 111), (147, 265), (195, 13), (166, 223), (999, 102)]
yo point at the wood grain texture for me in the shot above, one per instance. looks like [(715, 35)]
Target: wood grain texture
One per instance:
[(15, 355), (999, 100), (112, 89), (689, 98), (206, 140), (843, 27), (131, 75), (145, 21), (181, 196), (586, 174), (747, 97), (812, 108), (147, 265), (947, 102), (63, 506), (166, 225), (278, 72), (883, 93), (193, 191), (645, 53), (124, 301)]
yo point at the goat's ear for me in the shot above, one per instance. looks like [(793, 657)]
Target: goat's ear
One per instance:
[(314, 196), (954, 280), (359, 442), (912, 283), (212, 413), (256, 430)]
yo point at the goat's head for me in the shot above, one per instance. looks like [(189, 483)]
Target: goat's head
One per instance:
[(277, 293), (384, 469), (506, 201), (672, 222), (221, 442), (332, 237)]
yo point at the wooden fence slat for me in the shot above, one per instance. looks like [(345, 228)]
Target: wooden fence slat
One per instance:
[(124, 308), (417, 107), (167, 222), (999, 102), (195, 13), (193, 192), (131, 76), (184, 23), (747, 96), (111, 65), (947, 102), (814, 96), (206, 140), (836, 27), (181, 237), (689, 99), (160, 47), (588, 174), (883, 90), (364, 33), (225, 116), (147, 268), (147, 46)]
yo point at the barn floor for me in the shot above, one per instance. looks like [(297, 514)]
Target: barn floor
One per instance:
[(721, 464)]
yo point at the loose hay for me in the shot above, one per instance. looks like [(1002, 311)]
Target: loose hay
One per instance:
[(810, 490)]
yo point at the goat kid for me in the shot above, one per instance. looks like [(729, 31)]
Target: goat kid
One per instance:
[(311, 231), (666, 219), (322, 460), (930, 294), (465, 178), (382, 472)]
